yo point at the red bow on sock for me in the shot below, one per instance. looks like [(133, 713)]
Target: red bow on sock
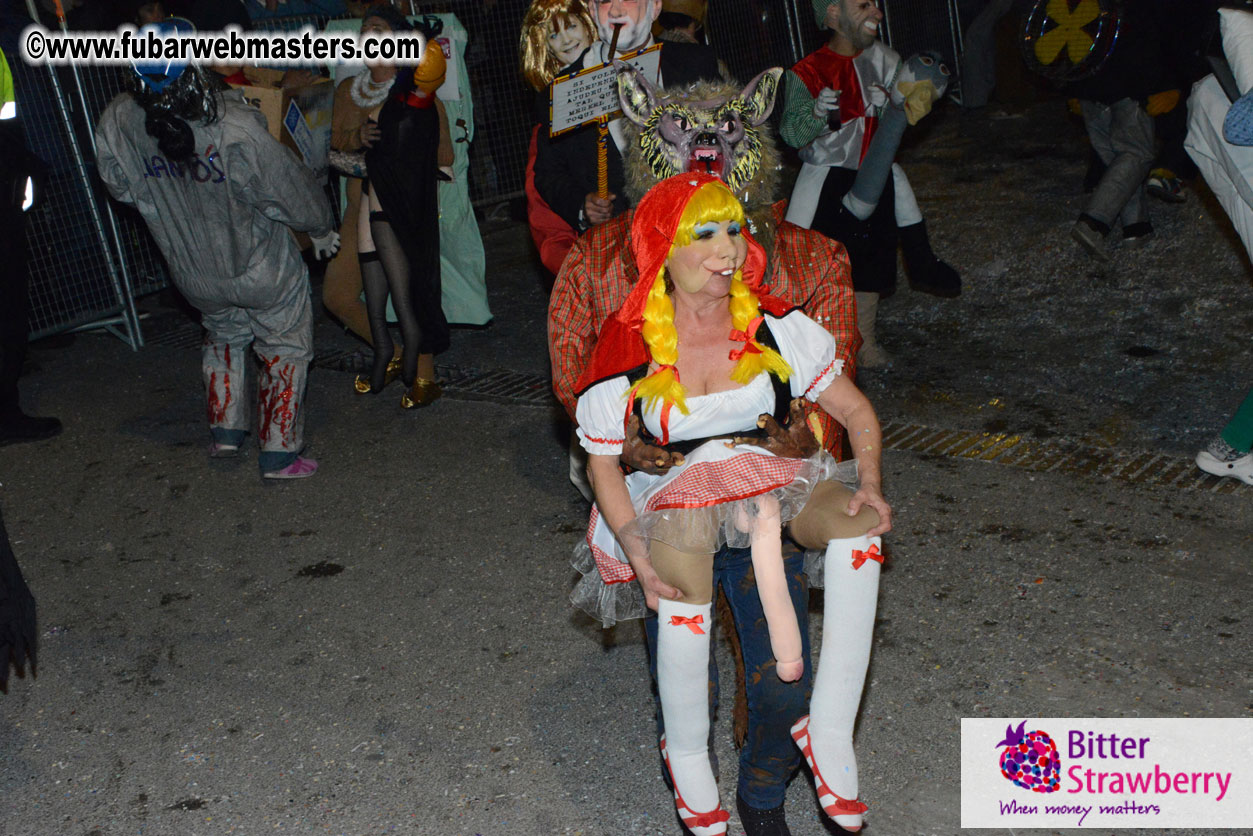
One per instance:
[(872, 553), (715, 816), (692, 624), (844, 805)]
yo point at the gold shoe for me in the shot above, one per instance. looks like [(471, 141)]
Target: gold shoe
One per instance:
[(393, 370), (423, 393), (362, 383)]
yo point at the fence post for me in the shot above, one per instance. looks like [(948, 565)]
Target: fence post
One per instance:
[(794, 36)]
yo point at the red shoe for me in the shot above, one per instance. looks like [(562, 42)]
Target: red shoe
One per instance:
[(845, 813), (713, 823)]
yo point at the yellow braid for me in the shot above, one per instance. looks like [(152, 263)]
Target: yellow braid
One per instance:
[(744, 310), (662, 340)]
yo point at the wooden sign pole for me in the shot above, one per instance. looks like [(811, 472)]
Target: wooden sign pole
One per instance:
[(602, 128), (602, 156)]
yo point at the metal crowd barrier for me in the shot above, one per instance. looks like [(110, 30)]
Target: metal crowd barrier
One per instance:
[(751, 35), (86, 261)]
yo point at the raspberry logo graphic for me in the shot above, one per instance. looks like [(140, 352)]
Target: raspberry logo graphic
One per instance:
[(1030, 759)]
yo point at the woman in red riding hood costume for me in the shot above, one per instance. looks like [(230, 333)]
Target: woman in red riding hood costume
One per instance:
[(699, 351)]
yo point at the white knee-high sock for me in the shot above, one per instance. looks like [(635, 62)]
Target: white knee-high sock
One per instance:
[(683, 684), (850, 597)]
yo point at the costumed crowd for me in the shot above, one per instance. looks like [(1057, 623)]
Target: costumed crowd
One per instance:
[(705, 325)]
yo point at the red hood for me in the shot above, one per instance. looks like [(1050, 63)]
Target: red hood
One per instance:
[(620, 347)]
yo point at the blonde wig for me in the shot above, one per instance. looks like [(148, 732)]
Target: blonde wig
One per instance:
[(539, 64), (712, 202)]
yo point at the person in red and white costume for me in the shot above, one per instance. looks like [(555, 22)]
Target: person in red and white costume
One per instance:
[(698, 352), (833, 99)]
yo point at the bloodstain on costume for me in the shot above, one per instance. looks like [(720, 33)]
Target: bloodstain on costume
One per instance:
[(219, 397), (276, 404)]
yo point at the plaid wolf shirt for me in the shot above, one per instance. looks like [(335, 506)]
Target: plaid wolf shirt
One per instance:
[(806, 268)]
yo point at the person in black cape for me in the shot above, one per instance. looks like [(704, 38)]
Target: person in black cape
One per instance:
[(403, 205)]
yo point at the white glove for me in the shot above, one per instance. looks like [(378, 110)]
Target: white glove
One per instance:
[(878, 95), (326, 246), (29, 199), (826, 101)]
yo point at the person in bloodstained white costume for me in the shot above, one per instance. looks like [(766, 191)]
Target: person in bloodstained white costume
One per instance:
[(217, 192), (699, 311)]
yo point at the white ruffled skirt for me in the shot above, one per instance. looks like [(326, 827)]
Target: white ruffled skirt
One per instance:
[(713, 500)]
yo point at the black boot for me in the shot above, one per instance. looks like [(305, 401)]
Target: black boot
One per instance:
[(851, 231), (859, 242), (926, 272), (761, 822)]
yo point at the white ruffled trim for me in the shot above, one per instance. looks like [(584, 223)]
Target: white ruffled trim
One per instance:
[(815, 559), (608, 603), (596, 446), (819, 385), (728, 523)]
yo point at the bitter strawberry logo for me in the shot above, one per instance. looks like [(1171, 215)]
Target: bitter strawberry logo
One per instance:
[(1030, 759)]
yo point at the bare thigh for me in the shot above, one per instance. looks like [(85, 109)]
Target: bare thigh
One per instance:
[(825, 518), (691, 572), (365, 238)]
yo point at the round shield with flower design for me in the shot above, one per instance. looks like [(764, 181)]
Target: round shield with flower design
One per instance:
[(1067, 40)]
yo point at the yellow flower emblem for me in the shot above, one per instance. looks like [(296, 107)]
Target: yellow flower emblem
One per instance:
[(1069, 34)]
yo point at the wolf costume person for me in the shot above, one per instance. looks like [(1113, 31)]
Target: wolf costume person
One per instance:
[(718, 128), (217, 192), (726, 492), (721, 129)]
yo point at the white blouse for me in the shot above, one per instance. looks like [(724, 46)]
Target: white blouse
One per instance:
[(807, 347)]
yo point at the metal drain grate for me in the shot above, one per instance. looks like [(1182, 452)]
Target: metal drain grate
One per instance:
[(1133, 466), (499, 386), (174, 332)]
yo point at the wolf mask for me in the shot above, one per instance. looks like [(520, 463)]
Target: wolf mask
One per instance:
[(715, 128)]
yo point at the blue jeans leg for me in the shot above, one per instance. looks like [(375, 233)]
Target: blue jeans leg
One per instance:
[(222, 435), (272, 460), (769, 758)]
